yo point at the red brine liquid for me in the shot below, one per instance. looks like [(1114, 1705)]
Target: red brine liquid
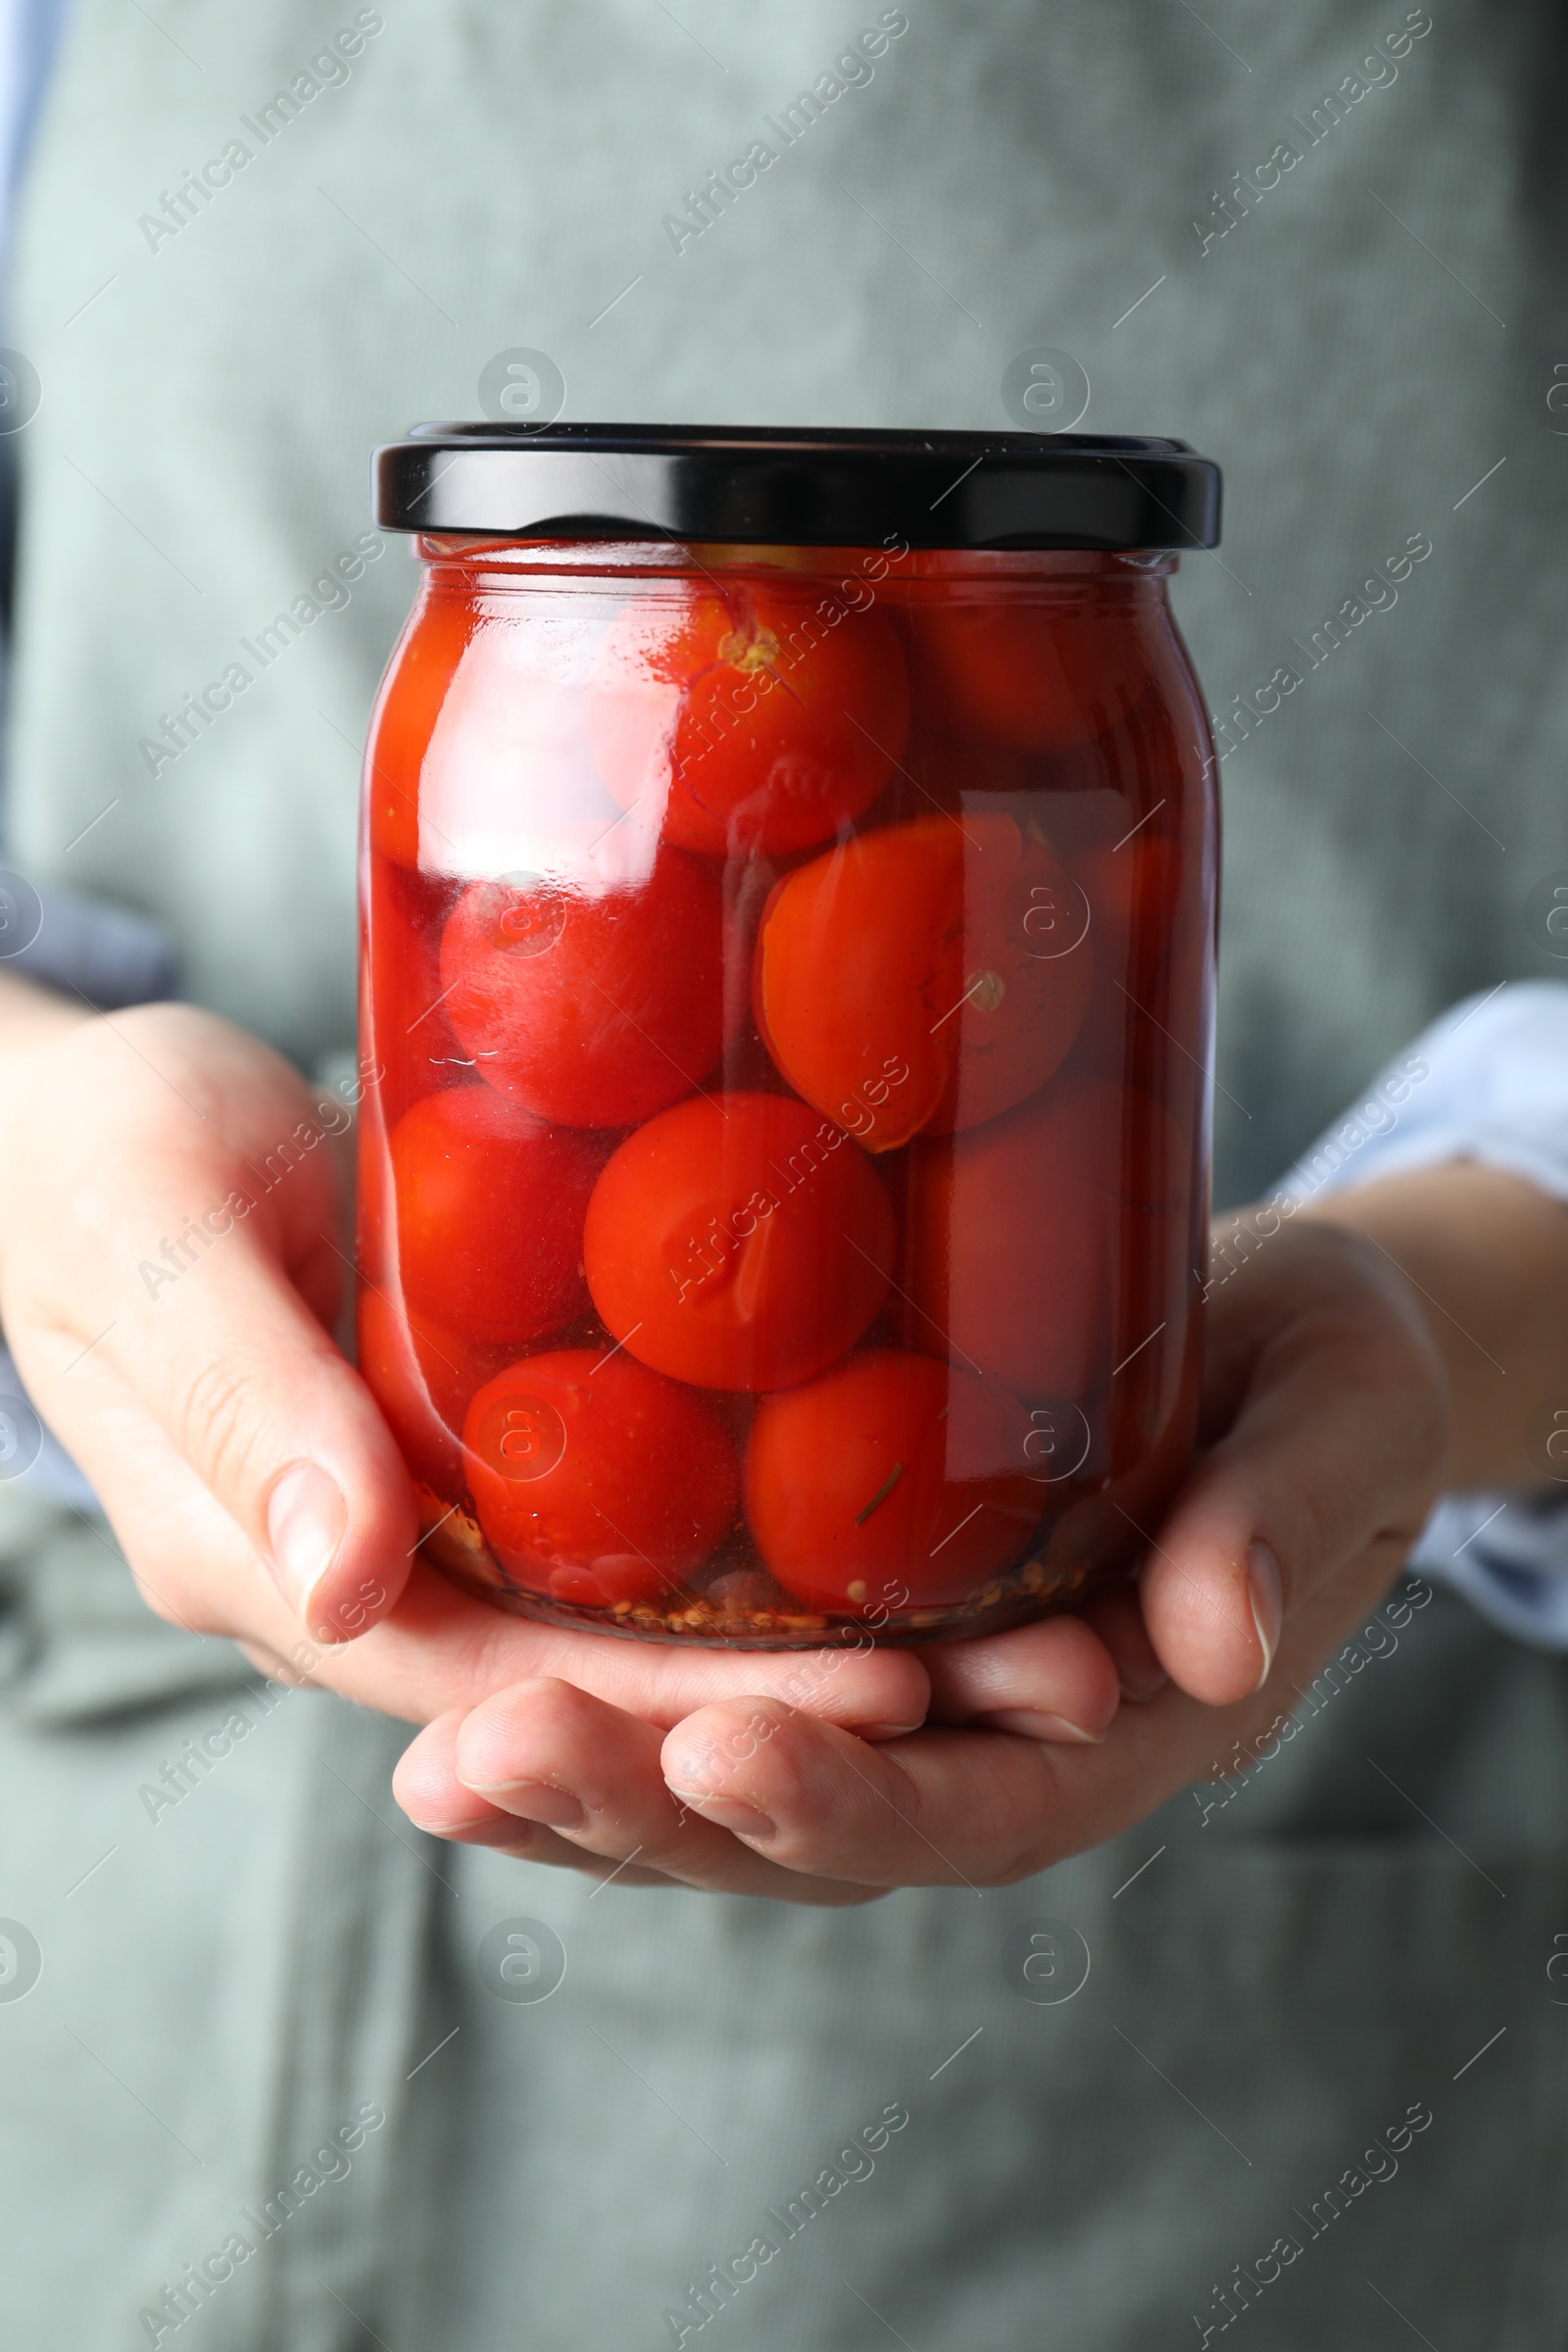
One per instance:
[(783, 1204)]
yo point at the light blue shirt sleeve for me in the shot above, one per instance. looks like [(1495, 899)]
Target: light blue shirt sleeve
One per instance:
[(1488, 1082), (29, 33), (83, 946), (80, 944)]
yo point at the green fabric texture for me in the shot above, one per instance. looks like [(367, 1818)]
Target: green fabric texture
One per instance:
[(239, 1973)]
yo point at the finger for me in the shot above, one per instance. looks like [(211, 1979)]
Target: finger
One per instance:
[(426, 1787), (958, 1807), (939, 1808), (136, 1157), (250, 1391), (1053, 1680), (942, 1807), (183, 1279), (442, 1649), (190, 1562), (548, 1752), (1327, 1463), (1213, 1595), (1116, 1616)]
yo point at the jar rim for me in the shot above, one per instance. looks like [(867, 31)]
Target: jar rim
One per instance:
[(476, 559), (781, 485)]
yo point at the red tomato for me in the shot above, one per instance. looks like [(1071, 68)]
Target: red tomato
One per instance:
[(739, 1244), (402, 1024), (746, 715), (890, 1474), (1015, 1233), (1147, 899), (409, 703), (1134, 886), (422, 1377), (933, 949), (594, 1009), (595, 1480), (1038, 677), (489, 1206)]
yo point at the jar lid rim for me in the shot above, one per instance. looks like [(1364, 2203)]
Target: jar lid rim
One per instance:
[(792, 486)]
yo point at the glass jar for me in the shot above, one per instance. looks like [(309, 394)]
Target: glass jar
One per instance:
[(788, 901)]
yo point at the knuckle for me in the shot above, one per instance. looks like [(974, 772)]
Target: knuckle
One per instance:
[(491, 1652), (217, 1423), (354, 1613)]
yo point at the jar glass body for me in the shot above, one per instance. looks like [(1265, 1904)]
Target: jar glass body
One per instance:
[(790, 976)]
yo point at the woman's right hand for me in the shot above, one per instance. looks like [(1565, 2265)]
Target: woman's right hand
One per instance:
[(169, 1276), (183, 1352)]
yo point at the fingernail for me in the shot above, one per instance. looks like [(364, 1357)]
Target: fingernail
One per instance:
[(1142, 1688), (728, 1813), (888, 1730), (1266, 1594), (537, 1800), (306, 1518), (1028, 1723)]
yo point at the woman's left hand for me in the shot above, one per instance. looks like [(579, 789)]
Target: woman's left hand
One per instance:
[(1326, 1439)]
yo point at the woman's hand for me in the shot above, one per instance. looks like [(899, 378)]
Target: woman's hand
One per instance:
[(170, 1269), (174, 1258), (1327, 1436)]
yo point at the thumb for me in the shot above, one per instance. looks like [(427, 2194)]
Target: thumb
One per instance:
[(279, 1427), (1312, 1500)]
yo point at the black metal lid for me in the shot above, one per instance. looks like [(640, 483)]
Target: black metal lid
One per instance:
[(776, 485)]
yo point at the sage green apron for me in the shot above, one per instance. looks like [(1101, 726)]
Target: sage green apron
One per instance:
[(292, 2075)]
